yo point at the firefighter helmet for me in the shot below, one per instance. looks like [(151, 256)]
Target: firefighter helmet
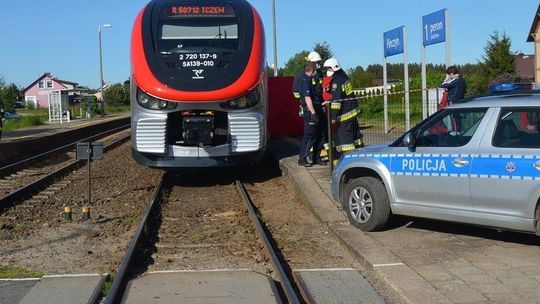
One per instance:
[(314, 57), (332, 63)]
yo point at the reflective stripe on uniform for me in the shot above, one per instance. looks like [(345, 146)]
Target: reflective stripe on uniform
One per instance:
[(359, 143), (296, 95), (345, 148), (347, 88), (349, 115), (335, 106)]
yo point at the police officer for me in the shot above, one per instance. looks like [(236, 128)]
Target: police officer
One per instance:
[(312, 117), (316, 80), (344, 108)]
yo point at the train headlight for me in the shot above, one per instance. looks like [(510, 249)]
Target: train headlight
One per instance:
[(247, 101), (243, 102), (153, 103)]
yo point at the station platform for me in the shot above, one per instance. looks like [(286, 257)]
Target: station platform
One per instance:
[(61, 289), (53, 128), (20, 144), (422, 261)]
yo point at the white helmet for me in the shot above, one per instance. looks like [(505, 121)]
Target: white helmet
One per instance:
[(332, 63), (314, 57)]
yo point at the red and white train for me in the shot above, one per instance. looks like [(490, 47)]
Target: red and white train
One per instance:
[(198, 84)]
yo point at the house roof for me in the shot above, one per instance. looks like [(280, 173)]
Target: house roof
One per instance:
[(525, 65), (47, 74), (532, 31)]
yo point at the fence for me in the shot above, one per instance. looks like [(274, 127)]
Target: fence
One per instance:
[(371, 114)]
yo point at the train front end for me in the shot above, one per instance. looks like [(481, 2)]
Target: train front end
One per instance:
[(198, 87)]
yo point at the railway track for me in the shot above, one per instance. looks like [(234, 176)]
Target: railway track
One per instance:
[(29, 177), (176, 240)]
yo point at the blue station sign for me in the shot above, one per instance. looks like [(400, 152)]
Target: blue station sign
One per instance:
[(434, 27), (393, 42)]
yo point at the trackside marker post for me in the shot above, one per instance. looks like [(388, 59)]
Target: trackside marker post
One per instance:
[(89, 151), (67, 214)]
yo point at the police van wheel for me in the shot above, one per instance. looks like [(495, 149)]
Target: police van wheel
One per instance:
[(366, 203)]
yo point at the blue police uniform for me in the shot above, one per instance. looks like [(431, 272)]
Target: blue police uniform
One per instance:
[(312, 126)]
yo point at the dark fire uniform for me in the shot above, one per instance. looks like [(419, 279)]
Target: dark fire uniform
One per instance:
[(345, 114)]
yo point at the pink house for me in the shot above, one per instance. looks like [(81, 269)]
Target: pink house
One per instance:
[(38, 92)]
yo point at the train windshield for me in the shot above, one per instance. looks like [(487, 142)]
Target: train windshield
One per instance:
[(200, 37)]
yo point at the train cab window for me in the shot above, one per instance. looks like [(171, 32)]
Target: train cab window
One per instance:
[(200, 37)]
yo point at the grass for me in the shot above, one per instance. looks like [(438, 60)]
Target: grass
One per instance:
[(112, 109), (17, 273), (25, 122), (30, 118), (107, 285), (33, 112)]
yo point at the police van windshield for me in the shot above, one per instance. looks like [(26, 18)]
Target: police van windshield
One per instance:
[(204, 36)]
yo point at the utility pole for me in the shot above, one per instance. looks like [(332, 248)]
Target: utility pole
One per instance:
[(101, 69)]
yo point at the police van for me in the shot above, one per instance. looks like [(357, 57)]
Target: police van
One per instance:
[(475, 162)]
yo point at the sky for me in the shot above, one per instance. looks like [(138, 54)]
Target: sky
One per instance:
[(61, 36)]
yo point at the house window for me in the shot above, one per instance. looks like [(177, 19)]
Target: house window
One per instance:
[(41, 85), (49, 84)]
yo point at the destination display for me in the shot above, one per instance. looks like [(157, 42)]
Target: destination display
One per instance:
[(199, 11)]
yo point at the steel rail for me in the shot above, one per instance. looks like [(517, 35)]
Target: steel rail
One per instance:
[(30, 189), (118, 285), (270, 252), (4, 170)]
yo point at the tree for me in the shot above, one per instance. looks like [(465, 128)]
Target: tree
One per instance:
[(9, 94), (498, 58), (117, 94), (295, 64), (298, 61), (360, 78), (324, 49)]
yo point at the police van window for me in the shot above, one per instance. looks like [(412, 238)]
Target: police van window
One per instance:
[(203, 36), (517, 128), (454, 128)]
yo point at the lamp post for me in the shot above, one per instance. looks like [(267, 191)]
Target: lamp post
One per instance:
[(101, 68)]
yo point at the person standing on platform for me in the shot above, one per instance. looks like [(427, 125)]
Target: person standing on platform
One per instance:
[(312, 117), (454, 85), (344, 109)]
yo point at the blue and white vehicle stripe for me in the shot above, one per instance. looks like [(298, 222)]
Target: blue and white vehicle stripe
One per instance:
[(491, 166)]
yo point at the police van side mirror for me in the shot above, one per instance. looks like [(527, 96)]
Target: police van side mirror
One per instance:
[(410, 140)]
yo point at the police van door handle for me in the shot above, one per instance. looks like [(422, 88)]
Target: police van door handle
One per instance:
[(460, 162), (537, 165)]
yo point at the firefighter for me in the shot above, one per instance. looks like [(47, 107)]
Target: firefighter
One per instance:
[(344, 108), (312, 117)]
